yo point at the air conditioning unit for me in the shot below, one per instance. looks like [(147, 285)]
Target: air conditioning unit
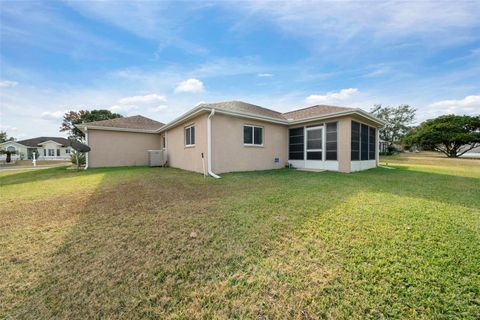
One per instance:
[(157, 158)]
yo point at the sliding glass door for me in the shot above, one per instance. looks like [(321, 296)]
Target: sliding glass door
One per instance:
[(314, 143)]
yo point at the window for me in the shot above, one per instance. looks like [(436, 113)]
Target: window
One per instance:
[(252, 135), (67, 151), (51, 152), (58, 152), (190, 136), (296, 144), (363, 142), (371, 144), (44, 152), (10, 148), (331, 143), (164, 142), (355, 141)]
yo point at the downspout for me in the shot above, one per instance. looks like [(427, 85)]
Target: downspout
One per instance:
[(209, 145), (86, 153)]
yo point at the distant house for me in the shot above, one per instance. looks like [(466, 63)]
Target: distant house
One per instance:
[(474, 153), (238, 136), (46, 148)]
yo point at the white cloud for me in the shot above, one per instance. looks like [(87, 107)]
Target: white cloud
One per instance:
[(467, 105), (264, 75), (131, 103), (190, 85), (343, 94), (158, 108), (149, 98), (7, 83), (52, 115)]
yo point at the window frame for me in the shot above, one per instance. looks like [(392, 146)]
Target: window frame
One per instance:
[(322, 139), (52, 152), (191, 145), (253, 144)]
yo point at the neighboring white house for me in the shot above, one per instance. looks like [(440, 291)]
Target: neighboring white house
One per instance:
[(46, 148), (474, 153)]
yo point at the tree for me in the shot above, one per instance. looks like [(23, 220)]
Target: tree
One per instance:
[(4, 137), (71, 118), (398, 120), (452, 135), (9, 154)]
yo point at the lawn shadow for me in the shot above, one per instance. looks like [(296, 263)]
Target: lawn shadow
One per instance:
[(167, 244)]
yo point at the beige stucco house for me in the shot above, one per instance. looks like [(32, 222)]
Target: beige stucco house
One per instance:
[(45, 148), (237, 136)]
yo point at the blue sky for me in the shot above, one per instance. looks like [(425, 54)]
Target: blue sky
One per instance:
[(160, 59)]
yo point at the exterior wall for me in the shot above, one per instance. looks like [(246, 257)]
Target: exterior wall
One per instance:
[(21, 149), (230, 154), (183, 157), (43, 155), (118, 148)]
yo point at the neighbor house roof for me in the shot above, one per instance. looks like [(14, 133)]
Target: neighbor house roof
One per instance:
[(134, 123), (34, 142)]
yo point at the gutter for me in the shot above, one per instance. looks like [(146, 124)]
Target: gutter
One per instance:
[(86, 153), (209, 145), (84, 127)]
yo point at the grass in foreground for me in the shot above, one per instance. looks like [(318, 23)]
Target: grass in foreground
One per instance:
[(151, 242)]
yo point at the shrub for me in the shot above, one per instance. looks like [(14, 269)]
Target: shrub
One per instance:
[(81, 157)]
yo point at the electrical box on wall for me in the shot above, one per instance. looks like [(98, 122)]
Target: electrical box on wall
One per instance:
[(276, 160)]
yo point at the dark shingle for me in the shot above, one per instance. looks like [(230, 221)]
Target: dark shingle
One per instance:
[(35, 141)]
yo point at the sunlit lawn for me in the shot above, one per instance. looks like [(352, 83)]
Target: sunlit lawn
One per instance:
[(164, 243)]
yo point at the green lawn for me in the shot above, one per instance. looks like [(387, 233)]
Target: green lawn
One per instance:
[(164, 243)]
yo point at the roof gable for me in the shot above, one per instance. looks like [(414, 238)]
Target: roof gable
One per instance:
[(34, 142)]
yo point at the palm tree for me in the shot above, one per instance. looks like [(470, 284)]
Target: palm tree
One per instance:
[(9, 154)]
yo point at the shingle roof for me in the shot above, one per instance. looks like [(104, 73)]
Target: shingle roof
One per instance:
[(35, 141), (133, 122), (313, 111), (244, 107), (299, 114)]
